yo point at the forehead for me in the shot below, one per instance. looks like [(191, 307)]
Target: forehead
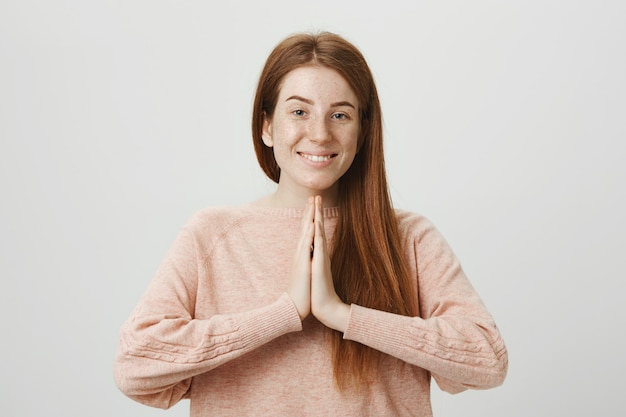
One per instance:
[(317, 83)]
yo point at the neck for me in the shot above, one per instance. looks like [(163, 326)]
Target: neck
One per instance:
[(290, 199)]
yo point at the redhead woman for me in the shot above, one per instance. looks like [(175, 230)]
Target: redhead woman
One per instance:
[(320, 299)]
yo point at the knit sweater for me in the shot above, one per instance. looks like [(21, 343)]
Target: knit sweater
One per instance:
[(216, 326)]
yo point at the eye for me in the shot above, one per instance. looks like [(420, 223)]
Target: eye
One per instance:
[(299, 112), (339, 116)]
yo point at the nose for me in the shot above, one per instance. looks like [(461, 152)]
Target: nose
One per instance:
[(319, 130)]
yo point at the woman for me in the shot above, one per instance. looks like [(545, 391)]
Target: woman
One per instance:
[(319, 299)]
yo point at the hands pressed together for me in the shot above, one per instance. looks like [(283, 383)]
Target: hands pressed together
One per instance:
[(311, 283)]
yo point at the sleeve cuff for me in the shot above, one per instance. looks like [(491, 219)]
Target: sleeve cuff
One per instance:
[(375, 328), (272, 321)]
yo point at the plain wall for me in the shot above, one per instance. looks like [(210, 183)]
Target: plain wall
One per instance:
[(505, 125)]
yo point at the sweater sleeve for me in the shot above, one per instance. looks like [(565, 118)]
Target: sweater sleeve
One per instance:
[(162, 346), (454, 337)]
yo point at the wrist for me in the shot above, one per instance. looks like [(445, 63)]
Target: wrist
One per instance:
[(336, 317)]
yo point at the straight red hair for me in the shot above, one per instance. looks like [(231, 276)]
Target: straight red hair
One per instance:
[(367, 262)]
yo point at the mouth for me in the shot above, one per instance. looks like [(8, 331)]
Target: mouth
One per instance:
[(317, 158)]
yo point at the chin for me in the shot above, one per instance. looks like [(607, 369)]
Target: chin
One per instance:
[(320, 189)]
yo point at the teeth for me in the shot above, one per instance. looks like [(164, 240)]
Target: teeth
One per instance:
[(316, 158)]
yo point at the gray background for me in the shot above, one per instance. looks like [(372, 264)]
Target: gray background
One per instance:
[(505, 125)]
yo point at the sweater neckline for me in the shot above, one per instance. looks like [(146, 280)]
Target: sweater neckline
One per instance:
[(329, 212)]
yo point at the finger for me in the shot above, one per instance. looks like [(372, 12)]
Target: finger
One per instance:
[(309, 210), (319, 222), (307, 231), (306, 244), (319, 211)]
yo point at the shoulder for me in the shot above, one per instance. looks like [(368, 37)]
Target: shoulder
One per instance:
[(417, 230), (412, 224), (209, 226), (245, 217), (218, 218), (220, 214)]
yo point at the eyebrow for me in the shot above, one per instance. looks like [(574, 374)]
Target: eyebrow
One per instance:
[(307, 101)]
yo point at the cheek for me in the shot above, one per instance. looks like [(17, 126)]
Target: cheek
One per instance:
[(285, 134), (355, 141)]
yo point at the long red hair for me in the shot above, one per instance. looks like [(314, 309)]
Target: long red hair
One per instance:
[(367, 261)]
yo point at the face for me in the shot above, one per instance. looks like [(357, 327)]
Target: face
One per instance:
[(313, 131)]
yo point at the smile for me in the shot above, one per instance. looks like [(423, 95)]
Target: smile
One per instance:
[(317, 158)]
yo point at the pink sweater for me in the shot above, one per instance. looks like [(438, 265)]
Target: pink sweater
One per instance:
[(216, 326)]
